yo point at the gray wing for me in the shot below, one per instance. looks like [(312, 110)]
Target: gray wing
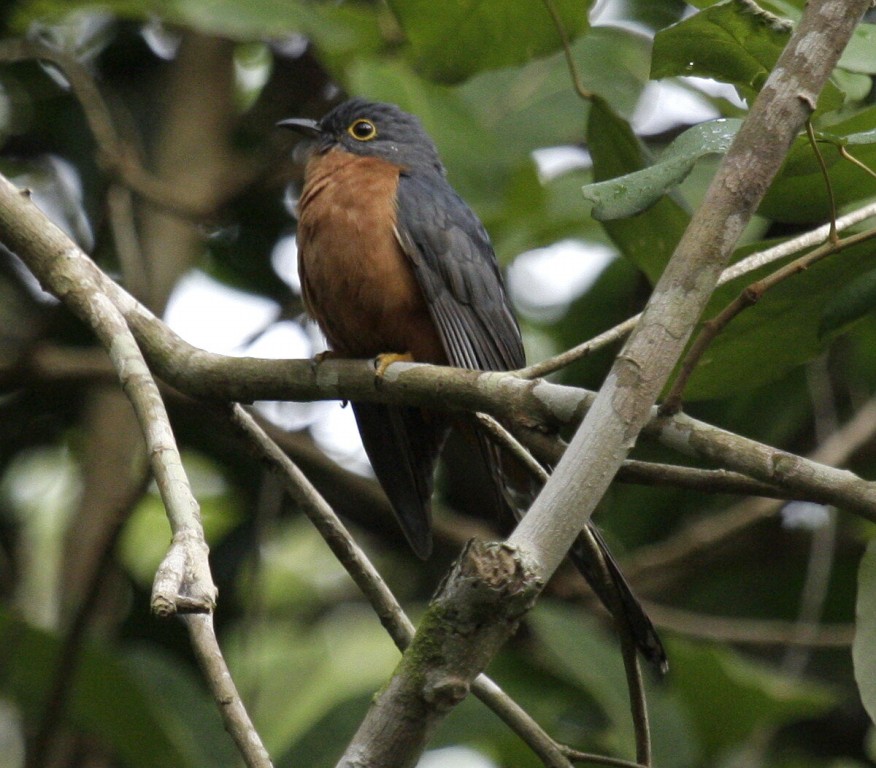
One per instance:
[(456, 269)]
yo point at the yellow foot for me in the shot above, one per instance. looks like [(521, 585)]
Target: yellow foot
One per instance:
[(382, 362)]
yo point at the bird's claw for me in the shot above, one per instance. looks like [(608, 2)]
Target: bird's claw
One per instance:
[(382, 362)]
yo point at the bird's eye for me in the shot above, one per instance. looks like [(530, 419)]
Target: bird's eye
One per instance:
[(362, 130)]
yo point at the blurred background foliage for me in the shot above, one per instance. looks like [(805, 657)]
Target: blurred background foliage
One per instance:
[(194, 88)]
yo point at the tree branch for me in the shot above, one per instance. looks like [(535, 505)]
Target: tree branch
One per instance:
[(621, 409), (750, 263), (373, 587), (183, 582), (221, 685), (503, 395), (748, 297), (623, 406), (116, 157)]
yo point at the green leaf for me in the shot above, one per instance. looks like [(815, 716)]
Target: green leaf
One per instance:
[(339, 30), (491, 33), (864, 644), (798, 194), (778, 333), (860, 139), (733, 42), (708, 677), (344, 655), (648, 238), (628, 195), (860, 53), (851, 303), (577, 649), (108, 701), (535, 105)]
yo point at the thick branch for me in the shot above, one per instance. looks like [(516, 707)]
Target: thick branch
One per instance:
[(183, 580), (215, 377), (373, 587), (623, 405), (488, 590)]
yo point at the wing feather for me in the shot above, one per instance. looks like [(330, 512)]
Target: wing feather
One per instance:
[(456, 268)]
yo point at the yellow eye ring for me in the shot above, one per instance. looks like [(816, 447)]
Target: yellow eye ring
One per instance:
[(362, 130)]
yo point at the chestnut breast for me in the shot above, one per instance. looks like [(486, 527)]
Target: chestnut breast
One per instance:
[(356, 280)]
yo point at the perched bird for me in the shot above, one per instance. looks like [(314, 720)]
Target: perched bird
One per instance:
[(392, 261)]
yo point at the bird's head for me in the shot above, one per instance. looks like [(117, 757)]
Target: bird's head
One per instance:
[(372, 129)]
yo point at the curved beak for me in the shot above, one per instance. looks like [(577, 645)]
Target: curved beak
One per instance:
[(302, 125)]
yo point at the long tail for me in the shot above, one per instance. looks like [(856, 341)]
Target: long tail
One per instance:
[(403, 445), (589, 554)]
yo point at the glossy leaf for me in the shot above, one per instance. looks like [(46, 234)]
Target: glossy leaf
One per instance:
[(648, 238), (778, 333), (492, 33), (729, 41), (632, 193), (732, 42)]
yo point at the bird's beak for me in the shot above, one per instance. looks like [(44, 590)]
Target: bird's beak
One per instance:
[(302, 125)]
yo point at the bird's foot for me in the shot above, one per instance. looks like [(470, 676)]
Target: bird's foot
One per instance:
[(382, 362)]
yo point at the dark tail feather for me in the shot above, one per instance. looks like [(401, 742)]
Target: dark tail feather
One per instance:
[(516, 488), (594, 561), (403, 445)]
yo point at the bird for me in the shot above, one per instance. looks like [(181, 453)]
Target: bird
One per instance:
[(394, 264)]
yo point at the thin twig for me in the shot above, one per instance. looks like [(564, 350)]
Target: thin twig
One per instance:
[(585, 757), (810, 134), (221, 684), (749, 264), (844, 152), (549, 449), (584, 92), (372, 586), (115, 155), (748, 297), (750, 631), (629, 653), (555, 363)]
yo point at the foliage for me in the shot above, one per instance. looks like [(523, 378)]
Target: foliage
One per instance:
[(489, 79)]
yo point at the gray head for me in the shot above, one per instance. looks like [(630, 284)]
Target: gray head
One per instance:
[(373, 129)]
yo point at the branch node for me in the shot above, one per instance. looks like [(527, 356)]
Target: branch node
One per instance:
[(182, 582), (444, 692), (809, 99)]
